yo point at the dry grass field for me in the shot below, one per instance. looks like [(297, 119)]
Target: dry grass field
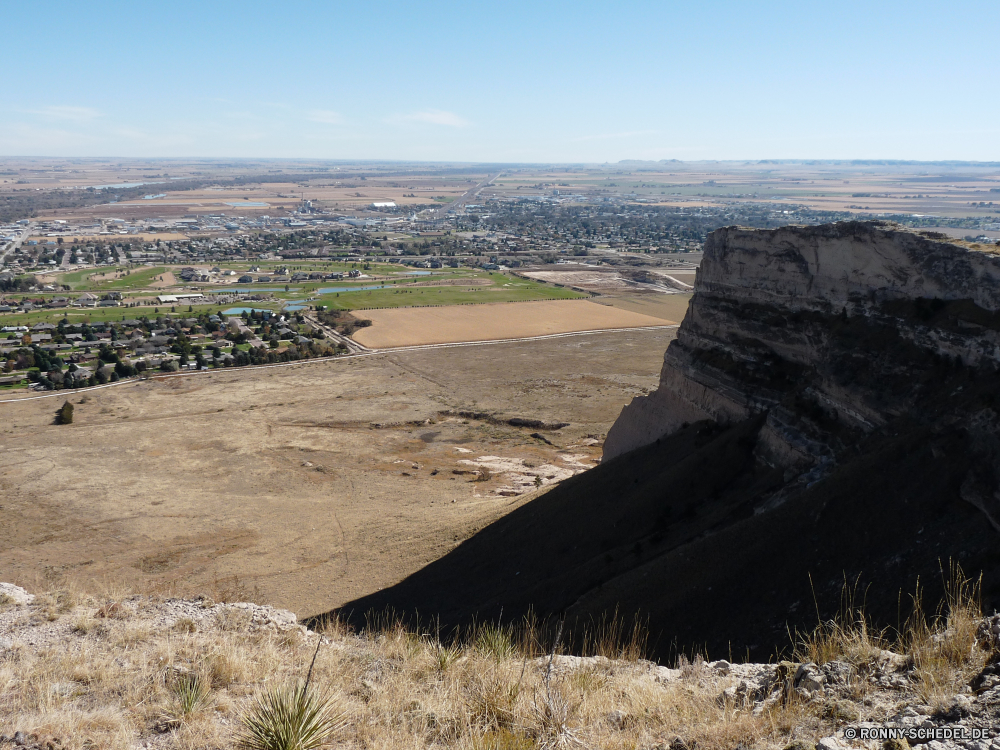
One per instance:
[(441, 325), (667, 307), (109, 670), (310, 485)]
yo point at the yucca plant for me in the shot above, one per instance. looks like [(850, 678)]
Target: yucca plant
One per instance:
[(289, 717), (496, 641), (190, 694)]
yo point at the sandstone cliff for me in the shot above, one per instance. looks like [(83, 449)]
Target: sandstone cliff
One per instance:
[(829, 330), (829, 411)]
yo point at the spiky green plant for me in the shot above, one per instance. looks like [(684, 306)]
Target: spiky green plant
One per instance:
[(496, 641), (289, 717), (191, 694)]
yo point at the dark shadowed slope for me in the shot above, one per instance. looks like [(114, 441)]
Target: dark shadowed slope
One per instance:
[(669, 531), (829, 412)]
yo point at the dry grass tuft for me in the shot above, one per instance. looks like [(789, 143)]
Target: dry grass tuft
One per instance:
[(119, 671)]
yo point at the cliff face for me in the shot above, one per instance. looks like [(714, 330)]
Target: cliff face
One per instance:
[(831, 331), (829, 411)]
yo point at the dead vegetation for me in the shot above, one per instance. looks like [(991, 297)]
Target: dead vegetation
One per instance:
[(117, 671)]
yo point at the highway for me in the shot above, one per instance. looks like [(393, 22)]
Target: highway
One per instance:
[(12, 246), (466, 197)]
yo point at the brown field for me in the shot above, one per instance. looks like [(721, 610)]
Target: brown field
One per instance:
[(416, 326), (667, 307), (312, 484)]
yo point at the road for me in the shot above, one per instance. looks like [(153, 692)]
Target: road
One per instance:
[(12, 246), (352, 346), (467, 197)]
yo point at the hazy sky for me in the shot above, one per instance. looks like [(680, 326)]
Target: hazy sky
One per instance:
[(506, 81)]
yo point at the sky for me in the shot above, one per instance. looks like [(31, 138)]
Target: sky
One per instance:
[(540, 82)]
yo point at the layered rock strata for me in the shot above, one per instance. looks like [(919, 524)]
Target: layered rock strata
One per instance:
[(831, 331)]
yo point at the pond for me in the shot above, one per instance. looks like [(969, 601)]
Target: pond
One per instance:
[(241, 310)]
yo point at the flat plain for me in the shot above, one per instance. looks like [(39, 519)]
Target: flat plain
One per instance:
[(306, 485), (440, 325)]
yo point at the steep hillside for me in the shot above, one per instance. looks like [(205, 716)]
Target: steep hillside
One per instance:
[(828, 412)]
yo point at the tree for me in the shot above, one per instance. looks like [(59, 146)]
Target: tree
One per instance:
[(64, 415)]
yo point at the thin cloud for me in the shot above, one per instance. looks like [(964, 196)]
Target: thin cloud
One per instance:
[(65, 112), (609, 136), (326, 116), (437, 117)]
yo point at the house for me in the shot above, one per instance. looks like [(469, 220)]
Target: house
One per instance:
[(245, 279), (43, 327)]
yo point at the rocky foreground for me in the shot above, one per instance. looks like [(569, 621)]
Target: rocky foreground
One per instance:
[(79, 671)]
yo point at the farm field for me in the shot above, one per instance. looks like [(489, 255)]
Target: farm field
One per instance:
[(502, 289), (384, 287), (670, 307), (308, 485), (441, 325)]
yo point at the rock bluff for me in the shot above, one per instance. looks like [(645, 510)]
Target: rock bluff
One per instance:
[(829, 330)]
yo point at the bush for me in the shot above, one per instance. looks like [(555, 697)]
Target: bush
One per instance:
[(64, 415)]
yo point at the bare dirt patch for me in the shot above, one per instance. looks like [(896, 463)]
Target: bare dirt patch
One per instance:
[(166, 279), (440, 325)]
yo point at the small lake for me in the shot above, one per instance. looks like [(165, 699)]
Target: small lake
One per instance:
[(417, 273), (297, 306), (241, 310), (332, 289)]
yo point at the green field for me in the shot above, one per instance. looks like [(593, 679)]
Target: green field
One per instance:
[(398, 292), (505, 290), (139, 278)]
